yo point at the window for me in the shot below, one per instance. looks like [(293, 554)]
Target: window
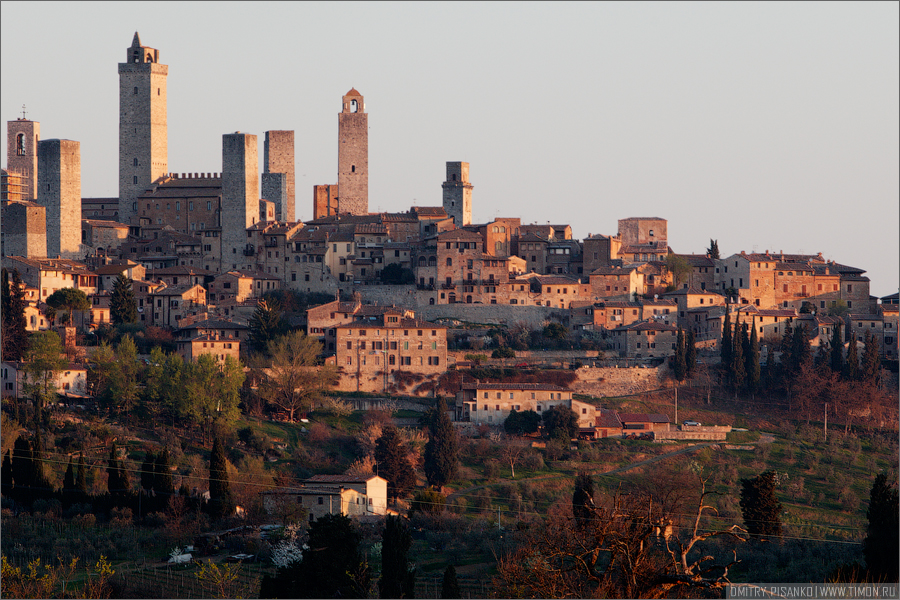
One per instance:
[(134, 181)]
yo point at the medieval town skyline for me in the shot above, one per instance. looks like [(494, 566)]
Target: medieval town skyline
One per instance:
[(766, 127)]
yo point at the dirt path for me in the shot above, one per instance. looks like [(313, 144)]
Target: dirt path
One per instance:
[(615, 471)]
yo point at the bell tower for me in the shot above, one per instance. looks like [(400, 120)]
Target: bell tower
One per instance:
[(143, 141), (22, 137), (353, 155)]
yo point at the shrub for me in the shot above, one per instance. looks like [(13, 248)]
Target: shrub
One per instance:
[(430, 501), (533, 461), (491, 469)]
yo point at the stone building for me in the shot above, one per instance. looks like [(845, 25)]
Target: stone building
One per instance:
[(644, 339), (59, 191), (325, 201), (22, 137), (491, 403), (192, 348), (171, 304), (143, 141), (103, 209), (188, 203), (103, 236), (49, 274), (353, 155), (458, 193), (240, 195), (369, 354), (278, 181), (320, 495), (24, 229), (617, 283)]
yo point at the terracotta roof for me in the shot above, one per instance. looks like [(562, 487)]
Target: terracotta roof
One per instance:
[(643, 418), (692, 291), (214, 324), (646, 326), (547, 387), (557, 280), (346, 478), (353, 92), (176, 290), (182, 270), (429, 211), (371, 228), (607, 418)]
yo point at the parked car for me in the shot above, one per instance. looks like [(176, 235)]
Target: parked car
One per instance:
[(690, 423)]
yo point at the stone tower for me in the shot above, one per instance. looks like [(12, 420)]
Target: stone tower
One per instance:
[(240, 196), (22, 138), (458, 193), (353, 156), (24, 229), (278, 158), (143, 143), (59, 192)]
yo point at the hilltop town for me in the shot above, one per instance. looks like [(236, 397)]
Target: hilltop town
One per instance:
[(407, 308)]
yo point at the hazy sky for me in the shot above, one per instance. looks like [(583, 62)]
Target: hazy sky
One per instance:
[(764, 125)]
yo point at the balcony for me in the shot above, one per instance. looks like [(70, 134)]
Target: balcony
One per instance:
[(249, 250), (448, 286)]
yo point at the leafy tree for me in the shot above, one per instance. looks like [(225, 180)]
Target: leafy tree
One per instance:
[(43, 361), (871, 362), (428, 501), (679, 267), (442, 448), (713, 250), (503, 352), (837, 350), (68, 299), (761, 509), (221, 503), (163, 385), (838, 308), (292, 382), (787, 348), (394, 274), (122, 305), (211, 393), (392, 463), (680, 363), (332, 565), (555, 331), (518, 423), (806, 308), (881, 547), (14, 325), (123, 391), (266, 324), (397, 578), (583, 507), (450, 584), (752, 360), (560, 422), (851, 367)]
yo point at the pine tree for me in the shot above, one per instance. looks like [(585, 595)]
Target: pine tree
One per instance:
[(680, 366), (266, 324), (752, 360), (880, 547), (122, 305), (397, 579), (442, 448), (391, 462), (727, 346), (713, 250), (450, 584), (583, 498), (837, 350), (871, 361), (690, 353), (761, 509), (851, 367), (738, 367), (221, 503)]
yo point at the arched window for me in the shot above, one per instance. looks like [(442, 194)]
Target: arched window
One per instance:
[(432, 261), (20, 144), (421, 261), (354, 106), (449, 262)]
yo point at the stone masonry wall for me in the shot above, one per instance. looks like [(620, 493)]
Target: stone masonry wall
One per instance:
[(59, 191), (24, 230), (25, 164), (278, 157), (353, 159), (240, 195), (606, 381)]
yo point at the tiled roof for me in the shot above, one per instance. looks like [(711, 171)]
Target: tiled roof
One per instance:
[(556, 280), (214, 324), (101, 223), (429, 211), (646, 326), (643, 418), (607, 418), (547, 387)]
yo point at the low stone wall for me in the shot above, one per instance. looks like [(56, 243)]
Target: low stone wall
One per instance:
[(610, 381), (691, 435)]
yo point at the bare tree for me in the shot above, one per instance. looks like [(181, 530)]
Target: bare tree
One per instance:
[(511, 454)]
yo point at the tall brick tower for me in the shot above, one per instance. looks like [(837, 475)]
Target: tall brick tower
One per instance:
[(278, 158), (143, 143), (22, 138), (59, 192), (458, 193), (240, 196), (353, 155)]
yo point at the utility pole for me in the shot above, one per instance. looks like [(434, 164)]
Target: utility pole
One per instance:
[(676, 406), (826, 422)]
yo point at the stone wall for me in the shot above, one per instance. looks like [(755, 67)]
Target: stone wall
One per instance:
[(353, 157), (606, 381), (59, 191), (279, 158), (25, 164), (240, 195), (25, 230)]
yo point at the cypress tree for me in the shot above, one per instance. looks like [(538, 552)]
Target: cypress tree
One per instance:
[(15, 327), (727, 345), (690, 353), (6, 474), (69, 480), (680, 366), (122, 305), (392, 463), (851, 367), (221, 504), (800, 352), (583, 498), (759, 506), (442, 448), (81, 478), (752, 360), (880, 547), (397, 579), (787, 349), (163, 482), (39, 480), (837, 350), (21, 468), (118, 483), (450, 584), (871, 361), (738, 367), (713, 250), (148, 471)]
